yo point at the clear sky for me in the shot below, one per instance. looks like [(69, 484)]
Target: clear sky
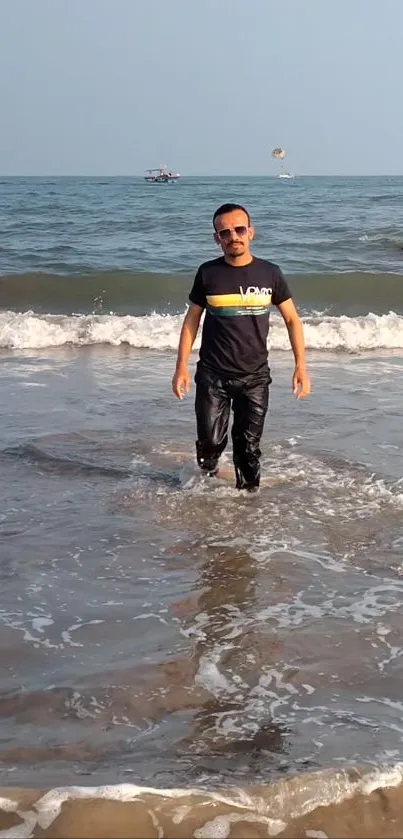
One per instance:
[(207, 86)]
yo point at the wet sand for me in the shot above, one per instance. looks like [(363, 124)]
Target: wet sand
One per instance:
[(356, 805)]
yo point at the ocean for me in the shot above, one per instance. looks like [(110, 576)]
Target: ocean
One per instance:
[(177, 658)]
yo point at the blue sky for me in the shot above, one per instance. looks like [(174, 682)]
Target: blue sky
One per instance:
[(115, 86)]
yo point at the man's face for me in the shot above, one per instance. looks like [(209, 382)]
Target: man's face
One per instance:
[(233, 233)]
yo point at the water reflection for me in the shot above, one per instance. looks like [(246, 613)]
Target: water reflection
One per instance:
[(229, 654)]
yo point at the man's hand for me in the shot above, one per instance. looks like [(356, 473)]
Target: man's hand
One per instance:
[(301, 384), (181, 381)]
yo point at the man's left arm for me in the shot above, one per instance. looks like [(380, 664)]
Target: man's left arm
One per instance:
[(301, 384)]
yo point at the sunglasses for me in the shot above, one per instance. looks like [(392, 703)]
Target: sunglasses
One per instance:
[(240, 230)]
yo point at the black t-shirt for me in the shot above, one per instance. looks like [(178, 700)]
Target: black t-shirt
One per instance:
[(237, 303)]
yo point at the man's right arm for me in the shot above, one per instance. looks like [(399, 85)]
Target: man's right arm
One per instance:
[(190, 326)]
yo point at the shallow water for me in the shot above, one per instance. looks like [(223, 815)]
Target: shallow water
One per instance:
[(170, 630)]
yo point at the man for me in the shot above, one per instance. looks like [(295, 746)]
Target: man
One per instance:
[(236, 291)]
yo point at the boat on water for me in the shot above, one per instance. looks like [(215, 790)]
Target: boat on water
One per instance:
[(161, 175), (286, 175)]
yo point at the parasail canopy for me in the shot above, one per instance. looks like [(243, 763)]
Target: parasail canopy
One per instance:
[(278, 153)]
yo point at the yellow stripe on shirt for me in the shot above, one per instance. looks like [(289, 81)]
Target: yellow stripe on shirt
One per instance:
[(239, 300)]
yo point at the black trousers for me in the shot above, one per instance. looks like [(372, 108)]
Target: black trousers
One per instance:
[(250, 398)]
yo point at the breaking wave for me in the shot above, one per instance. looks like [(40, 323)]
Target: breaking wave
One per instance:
[(30, 330)]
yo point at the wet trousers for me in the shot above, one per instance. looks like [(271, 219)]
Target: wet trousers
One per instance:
[(249, 398)]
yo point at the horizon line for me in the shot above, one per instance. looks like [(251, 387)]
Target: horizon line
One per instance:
[(199, 175)]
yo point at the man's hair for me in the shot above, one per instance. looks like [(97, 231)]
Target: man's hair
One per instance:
[(229, 208)]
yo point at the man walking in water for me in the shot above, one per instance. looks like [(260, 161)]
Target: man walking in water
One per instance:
[(236, 291)]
